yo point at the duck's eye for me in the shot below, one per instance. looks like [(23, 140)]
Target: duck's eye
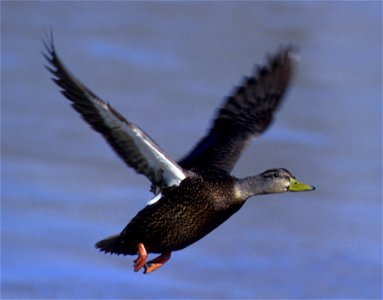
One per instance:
[(276, 175)]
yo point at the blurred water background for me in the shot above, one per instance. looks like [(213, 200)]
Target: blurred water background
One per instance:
[(167, 66)]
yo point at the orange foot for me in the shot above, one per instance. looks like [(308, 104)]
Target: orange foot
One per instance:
[(154, 264), (141, 259)]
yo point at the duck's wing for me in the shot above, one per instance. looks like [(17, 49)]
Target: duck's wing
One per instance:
[(247, 113), (135, 147)]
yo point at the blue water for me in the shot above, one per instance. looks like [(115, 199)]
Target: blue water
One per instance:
[(167, 67)]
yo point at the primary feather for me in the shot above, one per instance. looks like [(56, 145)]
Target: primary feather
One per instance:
[(245, 114)]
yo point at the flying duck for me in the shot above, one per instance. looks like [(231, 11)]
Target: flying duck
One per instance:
[(195, 195)]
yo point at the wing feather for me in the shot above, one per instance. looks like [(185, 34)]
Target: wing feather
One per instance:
[(247, 113), (131, 143)]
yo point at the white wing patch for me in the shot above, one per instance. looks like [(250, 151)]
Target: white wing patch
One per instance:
[(171, 172), (166, 171), (155, 199)]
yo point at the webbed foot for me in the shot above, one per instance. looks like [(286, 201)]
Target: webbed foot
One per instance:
[(154, 264)]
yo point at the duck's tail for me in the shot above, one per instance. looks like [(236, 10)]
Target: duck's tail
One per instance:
[(115, 245)]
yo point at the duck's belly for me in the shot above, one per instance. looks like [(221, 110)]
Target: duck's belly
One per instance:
[(168, 226)]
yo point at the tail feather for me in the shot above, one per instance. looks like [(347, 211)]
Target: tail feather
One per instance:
[(115, 245)]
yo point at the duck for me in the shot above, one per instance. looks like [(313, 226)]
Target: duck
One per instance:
[(196, 194)]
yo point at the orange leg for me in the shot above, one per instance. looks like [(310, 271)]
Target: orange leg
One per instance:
[(154, 264), (141, 259)]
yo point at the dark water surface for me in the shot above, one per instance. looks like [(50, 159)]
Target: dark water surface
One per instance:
[(166, 67)]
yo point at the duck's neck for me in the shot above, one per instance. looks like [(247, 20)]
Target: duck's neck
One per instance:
[(250, 186)]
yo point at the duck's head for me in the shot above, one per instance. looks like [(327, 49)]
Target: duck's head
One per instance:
[(281, 180)]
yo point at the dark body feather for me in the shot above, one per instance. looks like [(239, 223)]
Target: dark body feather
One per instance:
[(182, 216)]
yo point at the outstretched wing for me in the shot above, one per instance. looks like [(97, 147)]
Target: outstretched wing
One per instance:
[(247, 113), (135, 147)]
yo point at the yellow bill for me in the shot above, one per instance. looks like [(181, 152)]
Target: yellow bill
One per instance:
[(296, 186)]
